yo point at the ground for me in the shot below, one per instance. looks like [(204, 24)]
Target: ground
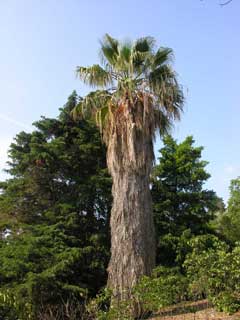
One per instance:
[(200, 310)]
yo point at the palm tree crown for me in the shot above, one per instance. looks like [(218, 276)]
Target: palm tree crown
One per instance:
[(131, 72)]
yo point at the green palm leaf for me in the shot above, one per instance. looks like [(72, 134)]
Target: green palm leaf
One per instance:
[(94, 76), (129, 71), (109, 50), (162, 56)]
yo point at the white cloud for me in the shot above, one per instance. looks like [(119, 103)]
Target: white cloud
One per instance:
[(15, 122)]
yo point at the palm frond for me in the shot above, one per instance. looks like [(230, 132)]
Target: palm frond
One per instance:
[(167, 91), (161, 78), (89, 106), (77, 112), (136, 71), (174, 101), (162, 122), (145, 44), (142, 52), (109, 50), (101, 117), (162, 56), (94, 76), (125, 51), (140, 61)]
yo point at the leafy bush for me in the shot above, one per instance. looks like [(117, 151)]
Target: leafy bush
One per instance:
[(165, 287), (214, 272), (100, 308)]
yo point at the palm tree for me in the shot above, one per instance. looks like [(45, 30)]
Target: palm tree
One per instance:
[(138, 95)]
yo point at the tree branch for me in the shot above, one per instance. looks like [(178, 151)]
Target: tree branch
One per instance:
[(225, 3)]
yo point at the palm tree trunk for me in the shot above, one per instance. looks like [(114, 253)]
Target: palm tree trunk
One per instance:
[(130, 158)]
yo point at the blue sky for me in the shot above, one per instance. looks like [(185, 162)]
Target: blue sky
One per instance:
[(43, 41)]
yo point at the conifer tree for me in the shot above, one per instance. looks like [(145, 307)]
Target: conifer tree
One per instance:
[(54, 217)]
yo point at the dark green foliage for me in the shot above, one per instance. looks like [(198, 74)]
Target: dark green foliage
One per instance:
[(54, 210), (54, 224), (44, 269), (62, 162), (180, 201), (228, 222)]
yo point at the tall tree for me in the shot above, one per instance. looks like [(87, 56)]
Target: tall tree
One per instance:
[(138, 94), (180, 200), (54, 218)]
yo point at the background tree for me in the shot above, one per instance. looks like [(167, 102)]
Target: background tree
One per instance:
[(139, 94), (54, 214), (182, 207), (228, 221), (54, 218)]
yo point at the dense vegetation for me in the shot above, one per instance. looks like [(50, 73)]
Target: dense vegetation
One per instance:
[(54, 217), (54, 226)]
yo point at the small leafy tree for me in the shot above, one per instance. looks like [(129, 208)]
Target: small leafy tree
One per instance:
[(213, 272), (228, 222)]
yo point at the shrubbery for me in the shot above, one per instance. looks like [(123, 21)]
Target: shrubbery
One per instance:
[(210, 270), (213, 271), (165, 287)]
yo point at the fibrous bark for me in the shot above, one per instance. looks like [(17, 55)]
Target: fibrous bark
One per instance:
[(130, 158)]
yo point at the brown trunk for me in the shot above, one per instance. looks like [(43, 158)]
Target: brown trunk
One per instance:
[(130, 158)]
